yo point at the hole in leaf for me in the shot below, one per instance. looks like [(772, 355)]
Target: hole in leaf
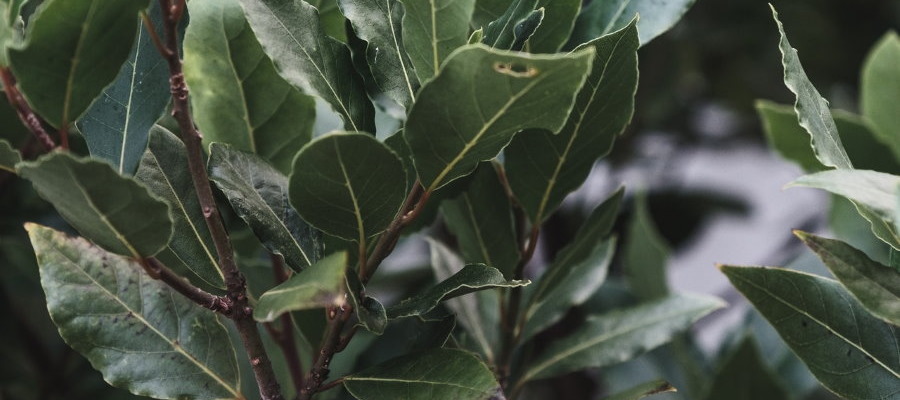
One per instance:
[(516, 70)]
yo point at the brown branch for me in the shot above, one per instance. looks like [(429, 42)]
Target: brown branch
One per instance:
[(157, 270), (26, 114), (235, 284), (412, 206), (284, 337), (331, 343)]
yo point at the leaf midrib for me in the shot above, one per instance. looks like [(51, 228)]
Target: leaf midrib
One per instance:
[(390, 18), (125, 132), (70, 79), (424, 382)]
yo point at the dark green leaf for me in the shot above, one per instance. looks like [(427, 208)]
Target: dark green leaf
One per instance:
[(330, 18), (438, 374), (487, 11), (577, 272), (321, 285), (290, 33), (601, 17), (644, 390), (646, 254), (850, 351), (880, 90), (9, 157), (525, 28), (348, 184), (237, 96), (432, 30), (744, 376), (72, 51), (876, 286), (543, 168), (501, 33), (138, 332), (559, 19), (449, 138), (115, 212), (117, 125), (259, 195), (164, 169), (620, 335), (812, 109), (378, 22), (472, 278), (369, 311), (482, 221)]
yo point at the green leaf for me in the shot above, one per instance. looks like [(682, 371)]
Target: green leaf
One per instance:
[(503, 33), (644, 390), (291, 35), (432, 30), (620, 335), (850, 351), (515, 91), (577, 272), (114, 212), (875, 190), (330, 18), (880, 89), (117, 125), (9, 157), (237, 96), (73, 50), (258, 193), (482, 221), (378, 22), (601, 17), (143, 336), (487, 11), (543, 168), (472, 278), (348, 184), (164, 169), (321, 285), (744, 376), (811, 108), (645, 255), (370, 312), (559, 20), (525, 28), (11, 27), (438, 374), (875, 286)]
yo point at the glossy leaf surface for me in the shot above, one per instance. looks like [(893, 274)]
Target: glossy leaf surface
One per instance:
[(143, 336), (601, 17), (319, 286), (880, 85), (432, 30)]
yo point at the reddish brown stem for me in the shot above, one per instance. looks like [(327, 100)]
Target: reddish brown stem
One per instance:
[(331, 342), (157, 270), (26, 114), (415, 202)]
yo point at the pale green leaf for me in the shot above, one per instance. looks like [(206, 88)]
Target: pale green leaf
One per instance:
[(113, 211), (117, 125), (559, 20), (432, 30), (164, 169), (644, 390), (601, 17), (872, 189), (321, 285), (258, 193), (449, 138), (880, 89), (140, 334), (472, 278), (850, 351), (577, 272), (378, 22), (543, 168), (438, 374), (812, 109), (745, 376), (9, 157), (11, 27), (876, 286), (645, 255), (620, 335), (73, 49), (347, 184), (482, 221), (291, 35)]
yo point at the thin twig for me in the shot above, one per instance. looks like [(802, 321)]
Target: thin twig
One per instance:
[(242, 313), (511, 331), (285, 335), (331, 341), (157, 270), (331, 384), (26, 114)]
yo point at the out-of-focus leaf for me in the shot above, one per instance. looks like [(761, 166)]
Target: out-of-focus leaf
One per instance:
[(543, 168), (850, 351), (744, 376), (164, 169), (73, 50), (644, 390), (601, 17), (438, 374), (137, 331), (876, 286), (259, 195), (880, 89), (291, 35), (348, 184), (646, 255), (237, 96), (472, 278), (113, 211), (9, 157), (448, 138), (620, 335), (432, 30), (321, 285)]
